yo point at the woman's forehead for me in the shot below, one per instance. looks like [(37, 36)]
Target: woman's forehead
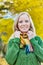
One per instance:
[(24, 16)]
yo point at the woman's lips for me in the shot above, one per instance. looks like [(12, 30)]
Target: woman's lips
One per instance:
[(24, 27)]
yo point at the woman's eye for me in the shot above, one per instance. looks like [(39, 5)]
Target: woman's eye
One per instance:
[(20, 21), (26, 20)]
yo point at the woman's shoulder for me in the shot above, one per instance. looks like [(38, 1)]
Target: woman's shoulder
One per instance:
[(38, 37)]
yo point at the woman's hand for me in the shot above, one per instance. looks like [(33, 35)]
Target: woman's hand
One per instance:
[(31, 34), (17, 34)]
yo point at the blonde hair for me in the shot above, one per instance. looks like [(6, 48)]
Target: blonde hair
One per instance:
[(15, 26)]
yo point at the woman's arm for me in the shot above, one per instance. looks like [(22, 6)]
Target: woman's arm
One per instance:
[(12, 50), (38, 47)]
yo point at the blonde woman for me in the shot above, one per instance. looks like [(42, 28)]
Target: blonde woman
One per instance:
[(24, 47)]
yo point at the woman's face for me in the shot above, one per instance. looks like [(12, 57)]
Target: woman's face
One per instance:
[(24, 23)]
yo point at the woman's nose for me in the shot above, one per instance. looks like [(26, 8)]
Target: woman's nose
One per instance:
[(24, 23)]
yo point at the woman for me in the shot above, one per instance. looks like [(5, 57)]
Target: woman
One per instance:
[(24, 47)]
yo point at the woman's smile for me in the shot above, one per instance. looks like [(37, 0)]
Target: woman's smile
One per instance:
[(24, 26), (24, 23)]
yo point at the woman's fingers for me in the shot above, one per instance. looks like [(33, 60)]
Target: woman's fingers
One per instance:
[(31, 35)]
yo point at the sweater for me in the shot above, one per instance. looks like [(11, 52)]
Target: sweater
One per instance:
[(17, 56)]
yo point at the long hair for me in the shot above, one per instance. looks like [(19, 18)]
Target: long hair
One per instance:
[(15, 25)]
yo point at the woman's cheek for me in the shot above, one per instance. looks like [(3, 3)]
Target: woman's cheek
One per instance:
[(19, 25)]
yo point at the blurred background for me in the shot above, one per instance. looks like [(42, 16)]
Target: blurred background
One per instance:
[(8, 12)]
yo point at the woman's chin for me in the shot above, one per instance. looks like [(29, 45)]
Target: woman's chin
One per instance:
[(24, 31)]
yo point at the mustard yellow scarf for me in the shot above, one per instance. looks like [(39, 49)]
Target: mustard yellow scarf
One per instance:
[(25, 41)]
